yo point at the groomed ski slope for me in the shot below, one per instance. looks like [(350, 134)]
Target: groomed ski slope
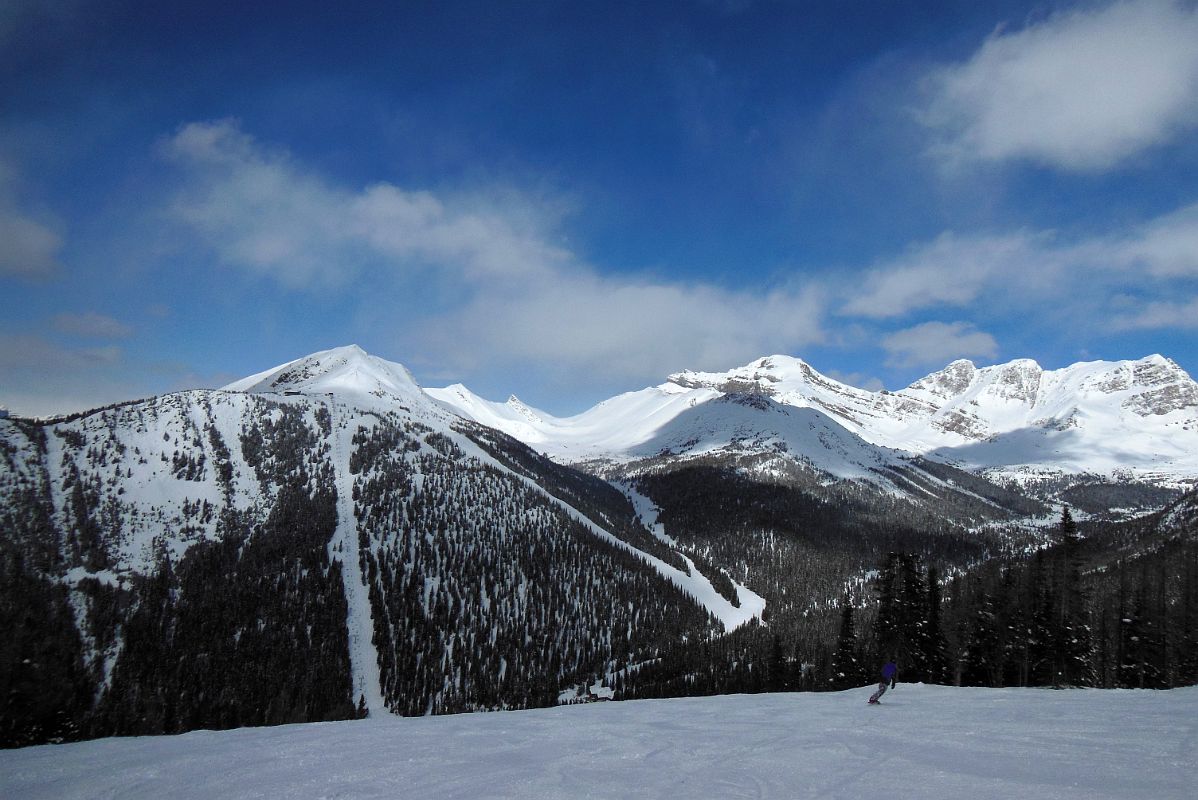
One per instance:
[(750, 604), (922, 742), (359, 622)]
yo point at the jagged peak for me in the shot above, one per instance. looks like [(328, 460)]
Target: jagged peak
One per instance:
[(1156, 361), (953, 379)]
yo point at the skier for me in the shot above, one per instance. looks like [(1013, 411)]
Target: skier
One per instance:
[(889, 676)]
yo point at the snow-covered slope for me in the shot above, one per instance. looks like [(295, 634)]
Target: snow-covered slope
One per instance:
[(176, 460), (755, 424), (608, 430), (349, 373), (368, 509), (928, 742), (1136, 419)]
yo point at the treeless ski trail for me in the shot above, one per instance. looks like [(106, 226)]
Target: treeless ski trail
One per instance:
[(363, 657)]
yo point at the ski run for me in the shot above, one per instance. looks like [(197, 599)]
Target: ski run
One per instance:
[(928, 742)]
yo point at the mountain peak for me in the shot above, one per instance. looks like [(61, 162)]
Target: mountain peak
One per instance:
[(347, 370), (759, 376), (950, 381)]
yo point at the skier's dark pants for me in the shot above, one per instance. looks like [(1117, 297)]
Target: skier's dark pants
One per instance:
[(878, 694)]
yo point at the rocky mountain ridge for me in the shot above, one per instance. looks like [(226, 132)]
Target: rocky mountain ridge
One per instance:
[(1125, 420)]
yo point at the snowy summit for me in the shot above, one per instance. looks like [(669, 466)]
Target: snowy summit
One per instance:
[(347, 372)]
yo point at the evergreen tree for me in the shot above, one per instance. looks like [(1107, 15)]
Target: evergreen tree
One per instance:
[(915, 641), (984, 660), (779, 671), (887, 622), (1187, 656), (1072, 634), (1041, 639), (936, 655), (846, 669)]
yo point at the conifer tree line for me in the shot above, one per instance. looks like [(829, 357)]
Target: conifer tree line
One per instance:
[(1059, 618), (1078, 614), (796, 543), (1072, 614)]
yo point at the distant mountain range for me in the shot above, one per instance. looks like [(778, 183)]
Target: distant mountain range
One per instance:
[(1122, 420)]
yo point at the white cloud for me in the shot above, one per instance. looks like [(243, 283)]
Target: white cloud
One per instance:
[(937, 343), (951, 270), (1159, 314), (483, 244), (92, 325), (257, 210), (609, 328), (1081, 90), (260, 211), (1166, 247), (514, 294), (1026, 272)]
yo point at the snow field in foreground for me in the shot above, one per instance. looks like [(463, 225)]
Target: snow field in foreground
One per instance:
[(921, 742)]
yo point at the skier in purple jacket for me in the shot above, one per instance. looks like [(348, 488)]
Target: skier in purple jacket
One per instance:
[(889, 677)]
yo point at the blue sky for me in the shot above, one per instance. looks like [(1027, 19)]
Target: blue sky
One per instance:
[(568, 200)]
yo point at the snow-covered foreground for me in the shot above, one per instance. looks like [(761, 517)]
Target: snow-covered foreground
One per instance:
[(922, 742)]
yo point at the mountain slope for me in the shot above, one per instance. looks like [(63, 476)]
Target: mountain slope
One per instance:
[(328, 540)]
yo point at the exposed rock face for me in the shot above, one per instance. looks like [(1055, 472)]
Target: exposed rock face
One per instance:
[(948, 382)]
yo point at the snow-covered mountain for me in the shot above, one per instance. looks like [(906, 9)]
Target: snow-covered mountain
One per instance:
[(1119, 420), (348, 373), (670, 421), (329, 527), (315, 539)]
